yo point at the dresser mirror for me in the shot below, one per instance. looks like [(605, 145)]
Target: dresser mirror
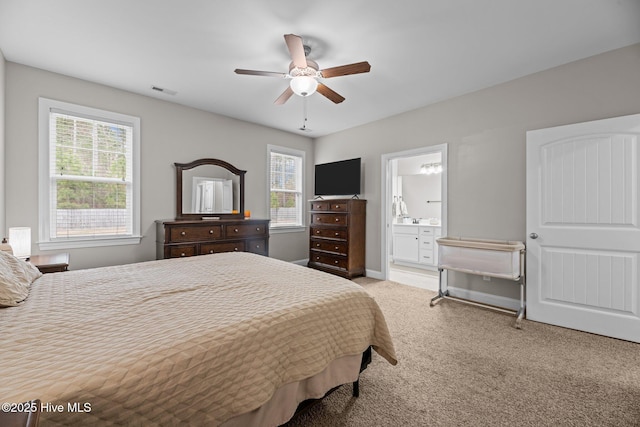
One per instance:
[(209, 189)]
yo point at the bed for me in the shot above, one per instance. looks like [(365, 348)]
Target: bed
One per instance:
[(225, 339)]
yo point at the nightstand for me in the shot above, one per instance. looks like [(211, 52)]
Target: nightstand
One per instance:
[(52, 263)]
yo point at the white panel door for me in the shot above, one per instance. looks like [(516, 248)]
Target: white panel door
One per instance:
[(583, 242)]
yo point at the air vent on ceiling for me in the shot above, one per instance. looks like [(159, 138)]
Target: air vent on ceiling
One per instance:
[(163, 90)]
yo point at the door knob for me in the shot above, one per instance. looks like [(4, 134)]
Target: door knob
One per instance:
[(533, 235)]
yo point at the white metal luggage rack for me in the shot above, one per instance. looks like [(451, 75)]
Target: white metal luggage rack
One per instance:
[(493, 258)]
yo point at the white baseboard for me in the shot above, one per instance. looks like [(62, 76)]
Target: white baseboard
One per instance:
[(484, 298), (481, 297), (374, 274)]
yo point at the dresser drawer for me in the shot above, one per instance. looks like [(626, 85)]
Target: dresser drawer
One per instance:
[(329, 233), (338, 207), (182, 251), (329, 246), (188, 238), (194, 234), (320, 206), (258, 246), (216, 248), (329, 219), (245, 230), (335, 261)]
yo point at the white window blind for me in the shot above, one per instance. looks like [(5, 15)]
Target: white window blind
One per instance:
[(286, 183), (91, 188)]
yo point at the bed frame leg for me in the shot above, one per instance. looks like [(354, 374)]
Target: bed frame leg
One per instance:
[(366, 360)]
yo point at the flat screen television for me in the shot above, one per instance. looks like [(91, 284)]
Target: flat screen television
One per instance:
[(338, 178)]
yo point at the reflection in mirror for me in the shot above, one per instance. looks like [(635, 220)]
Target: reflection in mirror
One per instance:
[(209, 188), (211, 195)]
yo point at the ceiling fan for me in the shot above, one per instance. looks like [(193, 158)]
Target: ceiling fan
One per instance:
[(304, 73)]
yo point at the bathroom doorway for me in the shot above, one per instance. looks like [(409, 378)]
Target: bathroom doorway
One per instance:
[(414, 214)]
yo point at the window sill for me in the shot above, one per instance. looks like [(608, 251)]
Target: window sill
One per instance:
[(89, 243), (287, 229)]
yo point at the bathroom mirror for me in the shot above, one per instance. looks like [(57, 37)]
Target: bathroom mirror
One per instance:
[(209, 189)]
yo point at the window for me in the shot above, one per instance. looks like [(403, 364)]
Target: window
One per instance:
[(89, 177), (286, 172)]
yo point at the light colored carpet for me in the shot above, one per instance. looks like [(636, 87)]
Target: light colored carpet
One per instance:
[(461, 365)]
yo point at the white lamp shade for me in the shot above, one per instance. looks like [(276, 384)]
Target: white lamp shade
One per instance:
[(20, 241), (303, 85)]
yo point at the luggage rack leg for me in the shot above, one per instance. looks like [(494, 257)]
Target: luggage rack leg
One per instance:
[(441, 295), (520, 313), (445, 295)]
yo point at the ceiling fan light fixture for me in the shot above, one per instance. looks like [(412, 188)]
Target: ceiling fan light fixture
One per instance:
[(303, 85)]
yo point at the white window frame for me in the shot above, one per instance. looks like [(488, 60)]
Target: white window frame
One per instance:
[(46, 242), (274, 228)]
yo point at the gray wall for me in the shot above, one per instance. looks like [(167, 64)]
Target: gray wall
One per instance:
[(169, 133), (485, 131)]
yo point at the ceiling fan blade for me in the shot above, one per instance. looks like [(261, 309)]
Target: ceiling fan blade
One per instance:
[(296, 50), (284, 97), (329, 93), (344, 70), (260, 73)]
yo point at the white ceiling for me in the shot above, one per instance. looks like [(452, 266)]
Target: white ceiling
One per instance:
[(420, 51)]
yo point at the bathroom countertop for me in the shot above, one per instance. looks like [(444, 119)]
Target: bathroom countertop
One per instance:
[(424, 224)]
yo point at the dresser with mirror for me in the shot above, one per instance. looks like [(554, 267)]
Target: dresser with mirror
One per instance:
[(210, 214)]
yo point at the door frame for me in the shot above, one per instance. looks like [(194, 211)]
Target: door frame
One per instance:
[(386, 197)]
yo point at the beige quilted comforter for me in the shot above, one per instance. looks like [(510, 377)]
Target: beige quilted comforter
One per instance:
[(193, 341)]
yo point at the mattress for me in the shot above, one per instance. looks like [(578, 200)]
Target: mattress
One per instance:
[(195, 341)]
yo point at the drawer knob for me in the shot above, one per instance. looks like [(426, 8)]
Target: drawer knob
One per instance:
[(257, 228), (317, 258), (235, 229), (235, 249), (336, 261), (317, 231), (182, 254), (337, 206), (210, 231), (257, 246), (183, 233), (337, 234), (337, 219), (211, 251), (336, 248), (317, 245)]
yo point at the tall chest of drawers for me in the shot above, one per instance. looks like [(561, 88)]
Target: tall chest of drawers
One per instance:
[(177, 239), (337, 236)]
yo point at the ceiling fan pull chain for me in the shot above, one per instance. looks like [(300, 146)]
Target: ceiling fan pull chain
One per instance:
[(304, 113)]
